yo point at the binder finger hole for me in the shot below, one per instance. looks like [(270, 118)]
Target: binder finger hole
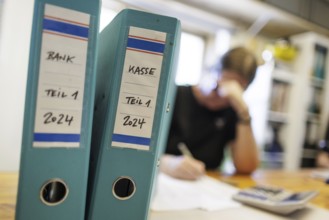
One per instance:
[(54, 192), (123, 188)]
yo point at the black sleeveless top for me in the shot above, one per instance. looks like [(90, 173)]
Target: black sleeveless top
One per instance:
[(205, 132)]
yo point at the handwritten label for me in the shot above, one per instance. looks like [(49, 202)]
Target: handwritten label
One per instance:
[(139, 89), (61, 82)]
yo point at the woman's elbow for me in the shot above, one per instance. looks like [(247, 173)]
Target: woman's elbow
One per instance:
[(247, 168)]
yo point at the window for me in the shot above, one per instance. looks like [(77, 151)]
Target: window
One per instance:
[(106, 17), (190, 59)]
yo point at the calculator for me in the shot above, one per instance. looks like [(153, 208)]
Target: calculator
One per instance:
[(274, 199)]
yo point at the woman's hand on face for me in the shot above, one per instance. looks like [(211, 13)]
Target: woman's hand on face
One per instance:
[(233, 91)]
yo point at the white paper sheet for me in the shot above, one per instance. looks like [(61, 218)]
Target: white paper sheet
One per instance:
[(320, 174), (206, 193)]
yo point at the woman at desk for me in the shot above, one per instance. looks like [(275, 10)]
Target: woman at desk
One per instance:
[(207, 121)]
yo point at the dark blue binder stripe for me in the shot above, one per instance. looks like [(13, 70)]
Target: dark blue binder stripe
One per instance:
[(66, 28), (146, 45), (131, 139), (50, 137)]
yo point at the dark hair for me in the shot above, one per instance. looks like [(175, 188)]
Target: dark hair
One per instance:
[(240, 60)]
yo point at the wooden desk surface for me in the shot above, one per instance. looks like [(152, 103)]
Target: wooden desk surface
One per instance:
[(297, 181), (8, 191)]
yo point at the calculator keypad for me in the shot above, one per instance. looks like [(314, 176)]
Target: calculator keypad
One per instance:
[(267, 193)]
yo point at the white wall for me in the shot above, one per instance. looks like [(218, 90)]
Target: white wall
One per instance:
[(16, 22)]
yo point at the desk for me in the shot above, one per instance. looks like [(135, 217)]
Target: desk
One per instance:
[(296, 181)]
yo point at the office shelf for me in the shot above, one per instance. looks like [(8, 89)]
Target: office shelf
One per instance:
[(278, 117), (304, 111), (283, 75)]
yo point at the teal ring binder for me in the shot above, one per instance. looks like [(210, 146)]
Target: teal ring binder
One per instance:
[(134, 92), (58, 113)]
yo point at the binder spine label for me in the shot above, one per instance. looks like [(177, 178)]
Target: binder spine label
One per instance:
[(139, 89), (62, 71)]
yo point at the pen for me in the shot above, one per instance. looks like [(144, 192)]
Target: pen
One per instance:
[(184, 150)]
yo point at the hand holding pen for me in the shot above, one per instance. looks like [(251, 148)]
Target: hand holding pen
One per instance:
[(183, 167)]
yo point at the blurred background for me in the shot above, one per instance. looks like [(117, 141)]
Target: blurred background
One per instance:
[(288, 99)]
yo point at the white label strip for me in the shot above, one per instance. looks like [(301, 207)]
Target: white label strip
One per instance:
[(61, 78), (139, 89)]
